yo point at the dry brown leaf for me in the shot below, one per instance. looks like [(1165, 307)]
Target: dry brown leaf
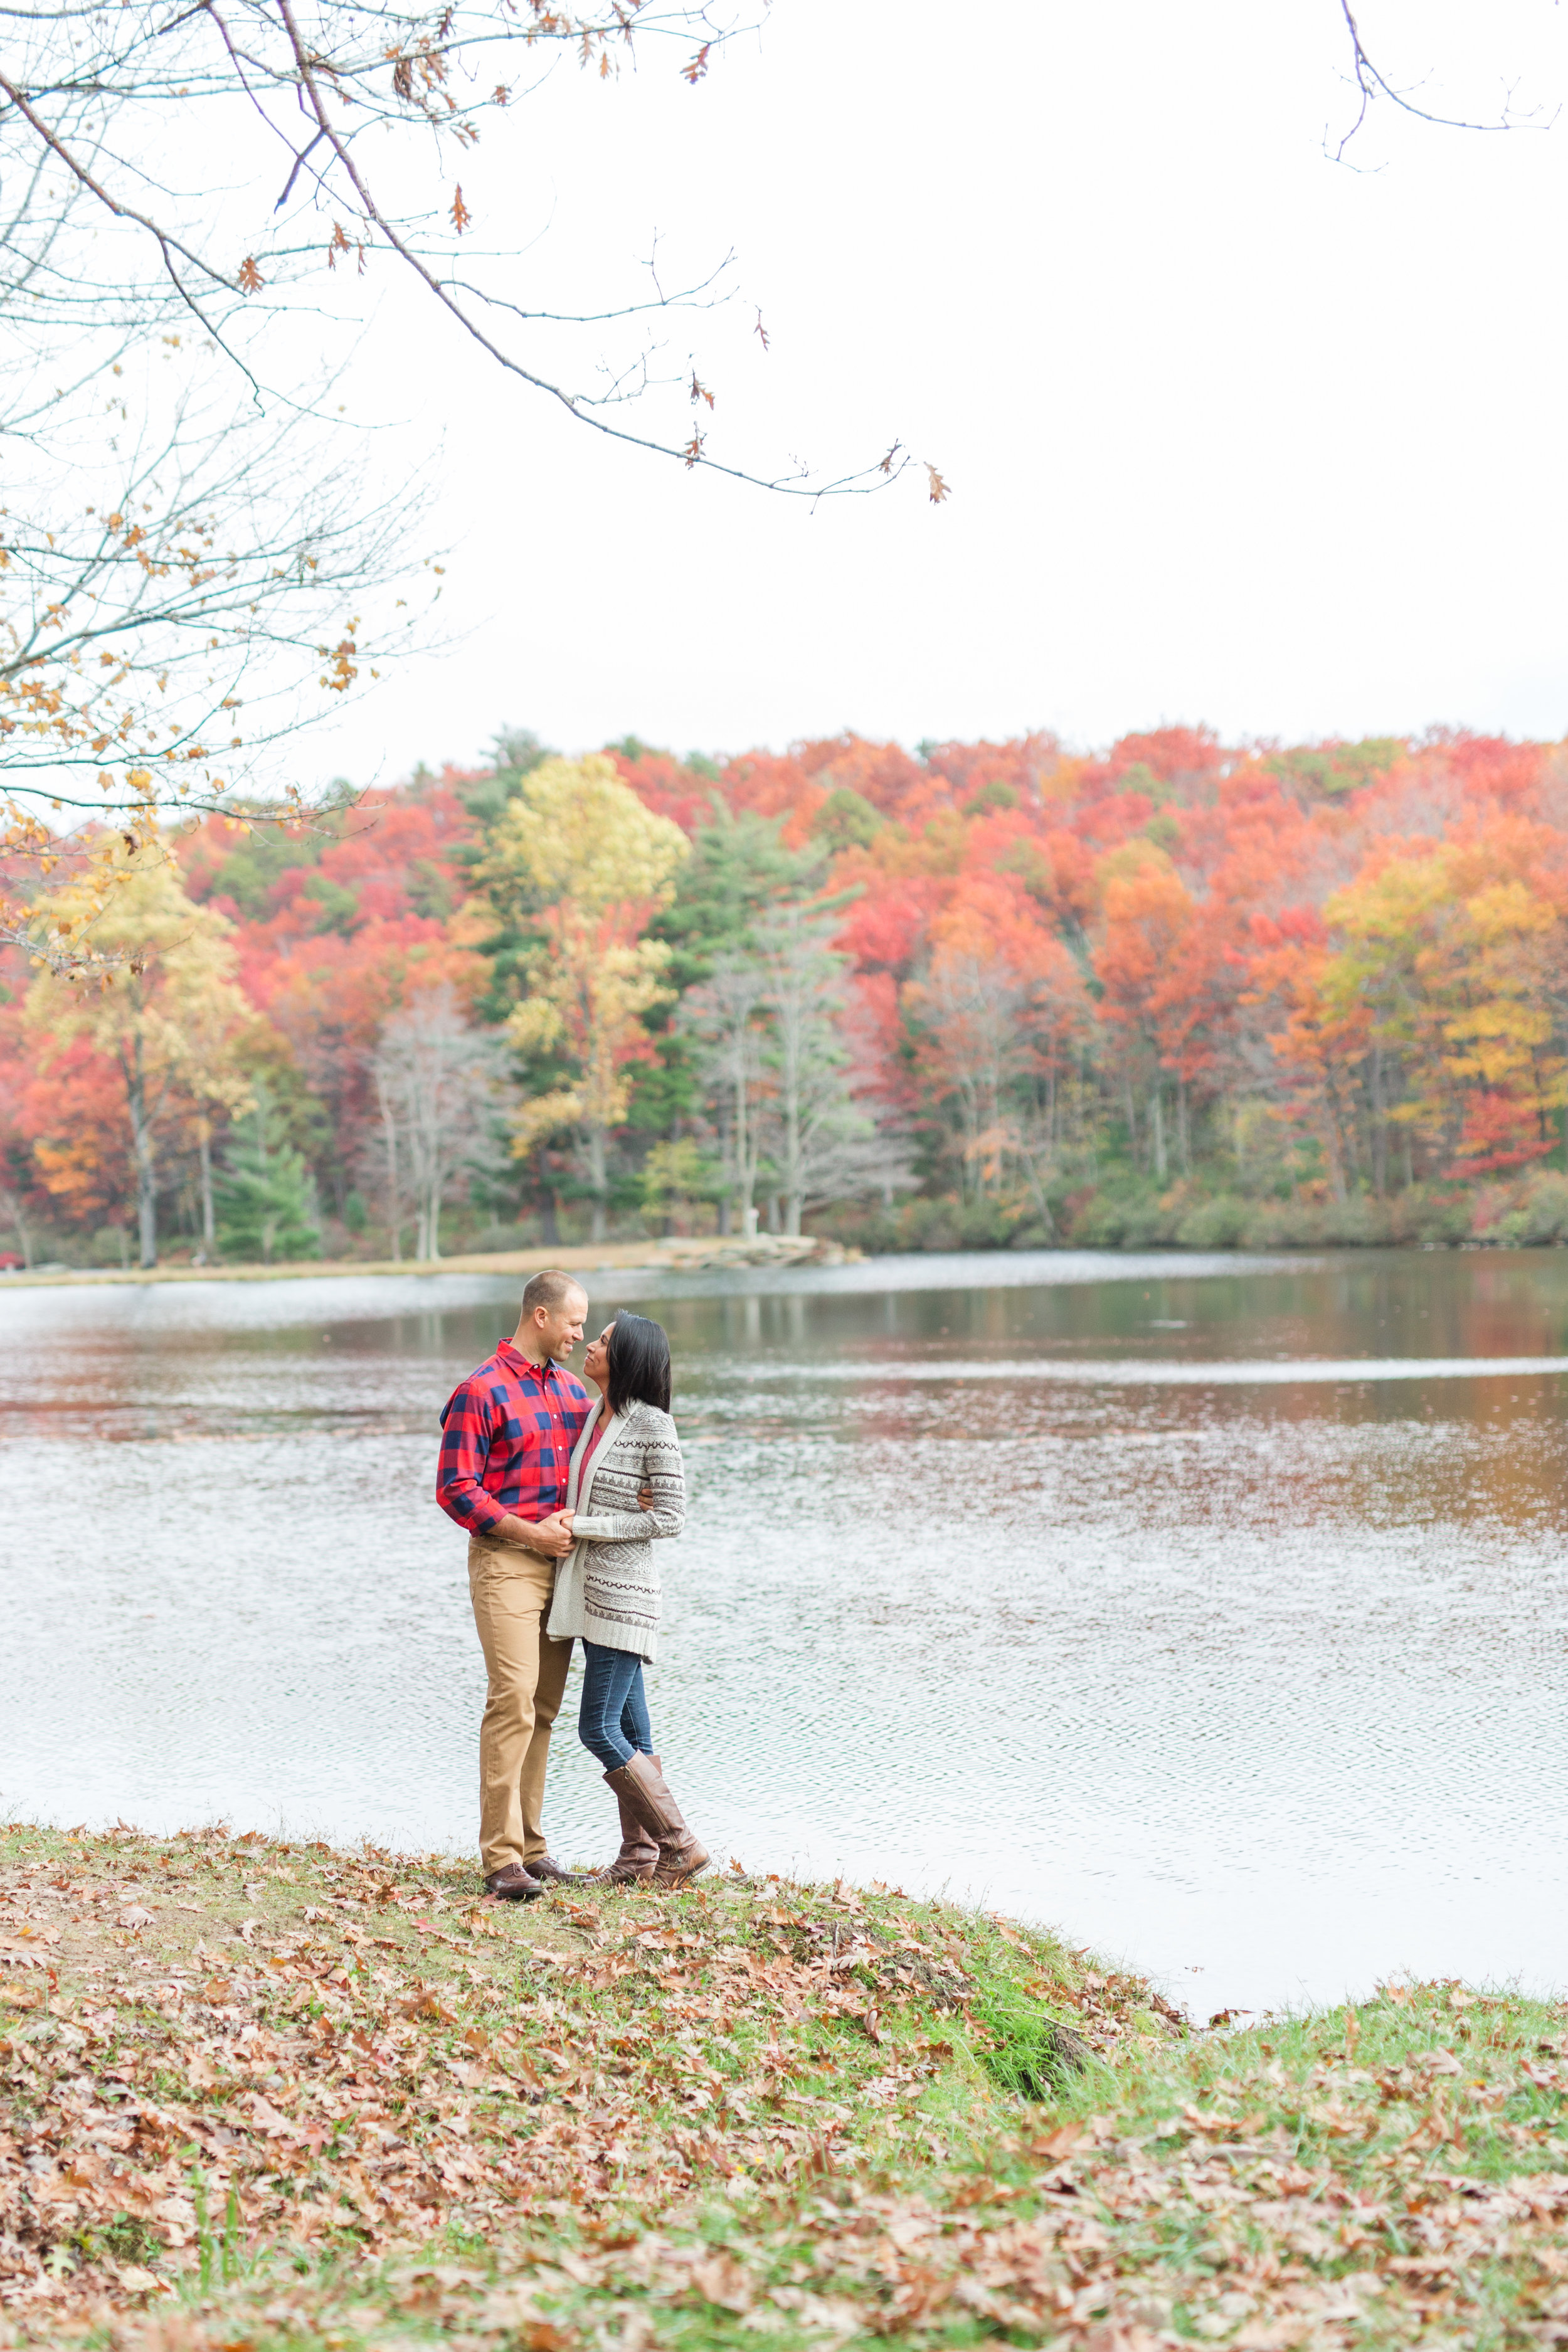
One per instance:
[(722, 2279)]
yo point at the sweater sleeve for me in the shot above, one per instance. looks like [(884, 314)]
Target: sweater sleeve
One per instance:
[(661, 1470)]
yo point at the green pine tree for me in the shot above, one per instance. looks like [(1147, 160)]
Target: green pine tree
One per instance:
[(737, 869), (265, 1196)]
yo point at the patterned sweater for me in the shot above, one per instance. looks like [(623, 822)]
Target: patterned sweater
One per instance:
[(607, 1586)]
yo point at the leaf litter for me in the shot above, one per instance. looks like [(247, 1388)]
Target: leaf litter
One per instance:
[(260, 2094)]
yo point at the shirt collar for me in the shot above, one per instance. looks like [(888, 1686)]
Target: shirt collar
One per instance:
[(524, 1366)]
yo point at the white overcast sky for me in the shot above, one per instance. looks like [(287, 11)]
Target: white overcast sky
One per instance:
[(1233, 434)]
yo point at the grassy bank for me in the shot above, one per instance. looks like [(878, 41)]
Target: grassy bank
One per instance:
[(303, 1269), (764, 1249), (261, 2094)]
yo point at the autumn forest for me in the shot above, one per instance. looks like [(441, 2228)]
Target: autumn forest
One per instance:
[(979, 994)]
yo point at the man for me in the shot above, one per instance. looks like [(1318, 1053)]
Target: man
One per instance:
[(508, 1432)]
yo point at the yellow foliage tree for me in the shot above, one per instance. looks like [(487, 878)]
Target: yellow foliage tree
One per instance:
[(579, 856), (164, 1009), (1454, 956)]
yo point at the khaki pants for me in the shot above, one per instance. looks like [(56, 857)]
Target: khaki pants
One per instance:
[(510, 1589)]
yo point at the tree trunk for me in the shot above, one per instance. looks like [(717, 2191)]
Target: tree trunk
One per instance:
[(209, 1227), (745, 1173), (1157, 1122), (393, 1198), (791, 1152), (727, 1162), (792, 1177), (14, 1206), (433, 1222), (144, 1157), (1181, 1134), (598, 1181), (1335, 1148)]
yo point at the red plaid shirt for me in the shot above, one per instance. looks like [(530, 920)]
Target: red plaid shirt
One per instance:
[(507, 1434)]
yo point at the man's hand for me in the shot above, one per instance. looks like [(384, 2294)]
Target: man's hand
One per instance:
[(552, 1537), (645, 1499)]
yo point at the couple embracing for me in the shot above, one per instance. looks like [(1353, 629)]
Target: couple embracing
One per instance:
[(563, 1493)]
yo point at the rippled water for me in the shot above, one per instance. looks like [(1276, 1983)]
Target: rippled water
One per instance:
[(1215, 1611)]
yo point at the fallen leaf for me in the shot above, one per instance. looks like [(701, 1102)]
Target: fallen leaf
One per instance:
[(724, 2280), (428, 2002), (266, 2118), (137, 2280)]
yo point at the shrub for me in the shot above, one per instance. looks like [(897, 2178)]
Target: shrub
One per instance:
[(1539, 1218), (1126, 1217), (945, 1223), (1215, 1224)]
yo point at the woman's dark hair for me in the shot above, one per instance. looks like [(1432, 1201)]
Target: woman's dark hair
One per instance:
[(639, 1363)]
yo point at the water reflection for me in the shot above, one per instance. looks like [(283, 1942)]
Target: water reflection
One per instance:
[(1216, 1611)]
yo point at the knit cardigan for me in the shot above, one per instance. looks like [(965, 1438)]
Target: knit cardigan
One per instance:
[(607, 1586)]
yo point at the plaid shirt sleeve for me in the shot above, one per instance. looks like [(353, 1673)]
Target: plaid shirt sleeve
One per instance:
[(467, 1426)]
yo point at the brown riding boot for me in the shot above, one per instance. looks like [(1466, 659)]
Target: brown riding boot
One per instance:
[(640, 1851), (681, 1855)]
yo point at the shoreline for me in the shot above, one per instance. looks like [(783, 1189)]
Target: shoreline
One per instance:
[(710, 1253), (264, 2092), (677, 1254)]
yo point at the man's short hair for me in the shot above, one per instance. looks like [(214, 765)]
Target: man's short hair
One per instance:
[(549, 1291)]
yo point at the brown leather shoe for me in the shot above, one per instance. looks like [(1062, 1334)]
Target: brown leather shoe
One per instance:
[(681, 1855), (545, 1868), (512, 1884), (638, 1856)]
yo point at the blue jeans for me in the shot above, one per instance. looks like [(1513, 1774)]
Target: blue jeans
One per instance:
[(613, 1719)]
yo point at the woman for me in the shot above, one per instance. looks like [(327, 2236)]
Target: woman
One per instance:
[(608, 1588)]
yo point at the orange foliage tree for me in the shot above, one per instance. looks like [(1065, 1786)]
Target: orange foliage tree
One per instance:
[(1325, 975), (1002, 1008)]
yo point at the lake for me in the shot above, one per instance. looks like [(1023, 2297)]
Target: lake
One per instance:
[(1213, 1610)]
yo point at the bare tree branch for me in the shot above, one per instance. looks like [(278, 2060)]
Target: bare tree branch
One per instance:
[(313, 84), (1372, 84)]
